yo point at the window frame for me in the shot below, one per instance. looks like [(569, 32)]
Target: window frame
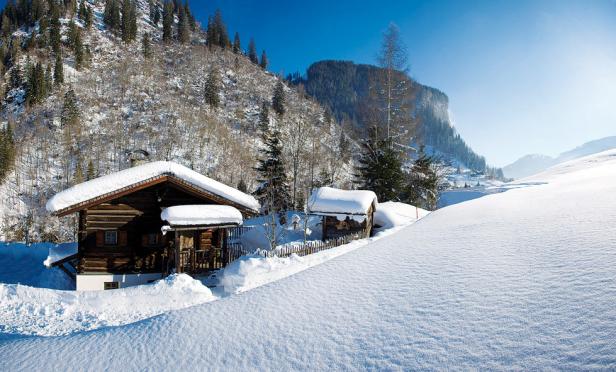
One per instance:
[(111, 285), (106, 242)]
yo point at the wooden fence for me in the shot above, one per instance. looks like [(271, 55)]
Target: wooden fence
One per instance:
[(235, 233), (235, 250)]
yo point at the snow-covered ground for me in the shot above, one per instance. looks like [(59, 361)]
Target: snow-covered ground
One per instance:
[(523, 279), (35, 301)]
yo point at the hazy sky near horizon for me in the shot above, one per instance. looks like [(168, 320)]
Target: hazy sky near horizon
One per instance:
[(522, 76)]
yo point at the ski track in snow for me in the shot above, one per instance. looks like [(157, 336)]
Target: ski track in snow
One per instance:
[(524, 279)]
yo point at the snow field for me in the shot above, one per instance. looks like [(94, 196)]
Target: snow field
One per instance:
[(519, 280)]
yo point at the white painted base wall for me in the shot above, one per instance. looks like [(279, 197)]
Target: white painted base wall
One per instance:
[(96, 282)]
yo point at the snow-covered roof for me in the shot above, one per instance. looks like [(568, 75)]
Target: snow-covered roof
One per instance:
[(112, 183), (201, 215), (327, 200)]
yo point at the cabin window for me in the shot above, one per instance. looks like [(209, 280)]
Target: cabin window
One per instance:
[(111, 237), (152, 239), (112, 285)]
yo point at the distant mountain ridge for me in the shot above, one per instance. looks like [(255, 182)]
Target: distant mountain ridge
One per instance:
[(535, 163), (342, 85)]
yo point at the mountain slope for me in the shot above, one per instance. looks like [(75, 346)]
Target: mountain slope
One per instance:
[(532, 164), (343, 86), (528, 165), (509, 281), (127, 103)]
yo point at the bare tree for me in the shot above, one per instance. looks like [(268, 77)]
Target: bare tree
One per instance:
[(392, 89)]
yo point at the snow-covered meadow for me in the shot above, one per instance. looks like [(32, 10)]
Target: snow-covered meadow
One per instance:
[(523, 279)]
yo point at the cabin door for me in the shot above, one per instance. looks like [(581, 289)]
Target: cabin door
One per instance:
[(186, 251)]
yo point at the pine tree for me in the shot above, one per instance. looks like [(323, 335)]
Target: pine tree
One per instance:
[(168, 22), (264, 61), (111, 15), (48, 79), (58, 71), (78, 176), (422, 182), (91, 174), (241, 186), (35, 83), (380, 169), (16, 76), (278, 100), (237, 47), (78, 49), (7, 151), (132, 26), (153, 9), (54, 32), (72, 32), (191, 19), (70, 110), (252, 52), (89, 17), (212, 88), (81, 13), (264, 118), (145, 46), (273, 192), (211, 33), (183, 26), (129, 21), (223, 36)]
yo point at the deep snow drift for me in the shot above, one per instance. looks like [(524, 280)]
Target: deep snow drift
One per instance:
[(524, 279)]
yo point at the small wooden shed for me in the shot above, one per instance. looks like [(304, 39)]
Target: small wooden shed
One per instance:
[(343, 212), (120, 242)]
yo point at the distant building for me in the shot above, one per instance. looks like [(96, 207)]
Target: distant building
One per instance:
[(344, 212), (132, 230)]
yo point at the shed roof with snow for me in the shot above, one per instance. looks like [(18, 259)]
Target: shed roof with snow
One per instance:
[(126, 181), (330, 201), (201, 215)]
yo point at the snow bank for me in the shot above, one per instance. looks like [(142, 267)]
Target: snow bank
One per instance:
[(116, 181), (45, 312), (252, 271), (194, 215), (328, 200), (392, 214)]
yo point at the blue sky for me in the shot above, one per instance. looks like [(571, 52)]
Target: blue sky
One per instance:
[(522, 76)]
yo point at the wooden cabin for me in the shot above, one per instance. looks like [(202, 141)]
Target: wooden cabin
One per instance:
[(120, 229), (343, 212)]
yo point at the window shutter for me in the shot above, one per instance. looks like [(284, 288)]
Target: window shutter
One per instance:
[(100, 238), (122, 238)]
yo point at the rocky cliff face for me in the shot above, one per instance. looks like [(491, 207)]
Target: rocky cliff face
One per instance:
[(342, 85)]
